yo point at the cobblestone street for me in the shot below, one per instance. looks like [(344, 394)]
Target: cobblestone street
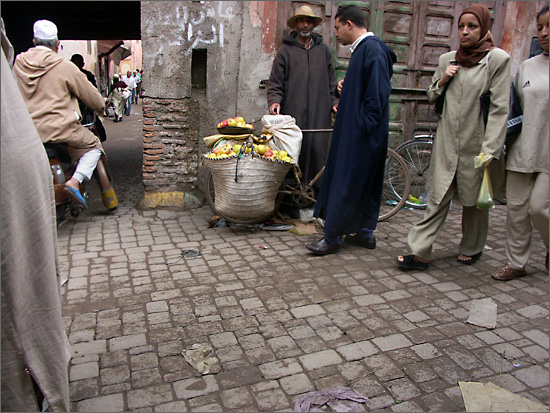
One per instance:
[(282, 322)]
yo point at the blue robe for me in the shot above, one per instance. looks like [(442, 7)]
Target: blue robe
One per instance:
[(351, 190)]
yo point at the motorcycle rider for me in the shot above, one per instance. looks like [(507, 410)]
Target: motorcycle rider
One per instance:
[(85, 111), (51, 86)]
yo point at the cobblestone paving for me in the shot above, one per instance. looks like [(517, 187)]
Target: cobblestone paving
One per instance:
[(281, 321)]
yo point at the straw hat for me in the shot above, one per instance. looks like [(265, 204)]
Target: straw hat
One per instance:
[(304, 11)]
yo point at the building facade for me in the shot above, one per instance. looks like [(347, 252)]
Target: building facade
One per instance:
[(205, 61)]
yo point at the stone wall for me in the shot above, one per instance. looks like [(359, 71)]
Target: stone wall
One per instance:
[(230, 35), (170, 153)]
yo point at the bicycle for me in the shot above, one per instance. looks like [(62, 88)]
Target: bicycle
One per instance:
[(397, 182), (417, 154)]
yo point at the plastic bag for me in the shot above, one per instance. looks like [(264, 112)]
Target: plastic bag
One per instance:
[(485, 198), (286, 134), (482, 159), (126, 93)]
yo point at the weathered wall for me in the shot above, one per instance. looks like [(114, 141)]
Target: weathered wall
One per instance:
[(520, 27), (177, 116)]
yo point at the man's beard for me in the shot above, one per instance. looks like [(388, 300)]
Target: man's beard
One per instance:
[(305, 33)]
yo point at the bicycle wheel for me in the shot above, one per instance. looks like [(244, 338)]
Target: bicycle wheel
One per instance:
[(397, 184), (417, 154), (211, 197)]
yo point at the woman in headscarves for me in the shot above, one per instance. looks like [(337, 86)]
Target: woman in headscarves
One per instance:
[(477, 67), (117, 97)]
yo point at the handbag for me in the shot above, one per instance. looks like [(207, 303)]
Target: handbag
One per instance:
[(485, 98), (515, 115), (440, 102)]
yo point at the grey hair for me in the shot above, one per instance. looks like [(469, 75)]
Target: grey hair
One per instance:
[(45, 42)]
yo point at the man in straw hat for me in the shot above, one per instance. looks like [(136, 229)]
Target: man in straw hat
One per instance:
[(51, 86), (302, 84)]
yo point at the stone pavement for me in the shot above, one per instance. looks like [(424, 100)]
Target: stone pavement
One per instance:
[(282, 322)]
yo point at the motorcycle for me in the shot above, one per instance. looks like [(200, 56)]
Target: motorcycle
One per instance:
[(63, 167)]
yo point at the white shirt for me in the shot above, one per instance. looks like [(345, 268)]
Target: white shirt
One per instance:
[(359, 39), (130, 81)]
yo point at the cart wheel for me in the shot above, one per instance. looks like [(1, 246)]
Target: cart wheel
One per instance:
[(303, 195), (211, 196)]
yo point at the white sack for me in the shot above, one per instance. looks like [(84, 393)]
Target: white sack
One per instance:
[(286, 134)]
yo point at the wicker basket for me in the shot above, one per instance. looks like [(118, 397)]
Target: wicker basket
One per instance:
[(253, 193)]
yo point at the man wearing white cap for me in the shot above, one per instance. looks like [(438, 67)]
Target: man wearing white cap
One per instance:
[(302, 84), (51, 87)]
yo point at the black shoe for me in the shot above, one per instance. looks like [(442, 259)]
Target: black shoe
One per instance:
[(322, 247), (410, 262), (369, 242), (470, 259)]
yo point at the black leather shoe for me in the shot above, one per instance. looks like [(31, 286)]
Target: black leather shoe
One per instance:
[(369, 242), (322, 247)]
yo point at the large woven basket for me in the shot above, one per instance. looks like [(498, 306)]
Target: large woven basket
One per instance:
[(252, 195)]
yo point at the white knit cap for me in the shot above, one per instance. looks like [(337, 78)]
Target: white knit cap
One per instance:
[(45, 29)]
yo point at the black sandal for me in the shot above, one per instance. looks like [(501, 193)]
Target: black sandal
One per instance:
[(472, 259), (411, 263)]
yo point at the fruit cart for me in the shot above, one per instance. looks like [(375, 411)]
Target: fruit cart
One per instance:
[(245, 182)]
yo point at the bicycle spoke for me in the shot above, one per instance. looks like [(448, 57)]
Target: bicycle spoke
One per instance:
[(396, 185), (417, 154)]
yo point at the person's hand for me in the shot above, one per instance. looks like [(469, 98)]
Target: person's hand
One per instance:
[(448, 75), (335, 108), (275, 109), (340, 85), (483, 159)]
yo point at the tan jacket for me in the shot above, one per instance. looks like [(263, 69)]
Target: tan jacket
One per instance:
[(50, 86), (461, 134)]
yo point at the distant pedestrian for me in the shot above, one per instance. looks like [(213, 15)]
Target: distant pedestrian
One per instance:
[(131, 83), (87, 113), (117, 97), (138, 85)]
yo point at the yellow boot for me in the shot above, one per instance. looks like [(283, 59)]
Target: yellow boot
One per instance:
[(110, 200)]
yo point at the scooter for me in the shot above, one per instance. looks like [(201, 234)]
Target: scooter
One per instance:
[(63, 167)]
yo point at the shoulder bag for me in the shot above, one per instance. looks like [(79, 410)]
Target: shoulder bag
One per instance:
[(440, 102), (485, 98), (515, 115)]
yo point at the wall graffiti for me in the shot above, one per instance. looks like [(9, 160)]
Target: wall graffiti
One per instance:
[(186, 26)]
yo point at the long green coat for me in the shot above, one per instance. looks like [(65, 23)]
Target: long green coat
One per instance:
[(461, 134)]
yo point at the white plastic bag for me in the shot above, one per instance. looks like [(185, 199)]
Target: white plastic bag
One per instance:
[(286, 134), (126, 93)]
